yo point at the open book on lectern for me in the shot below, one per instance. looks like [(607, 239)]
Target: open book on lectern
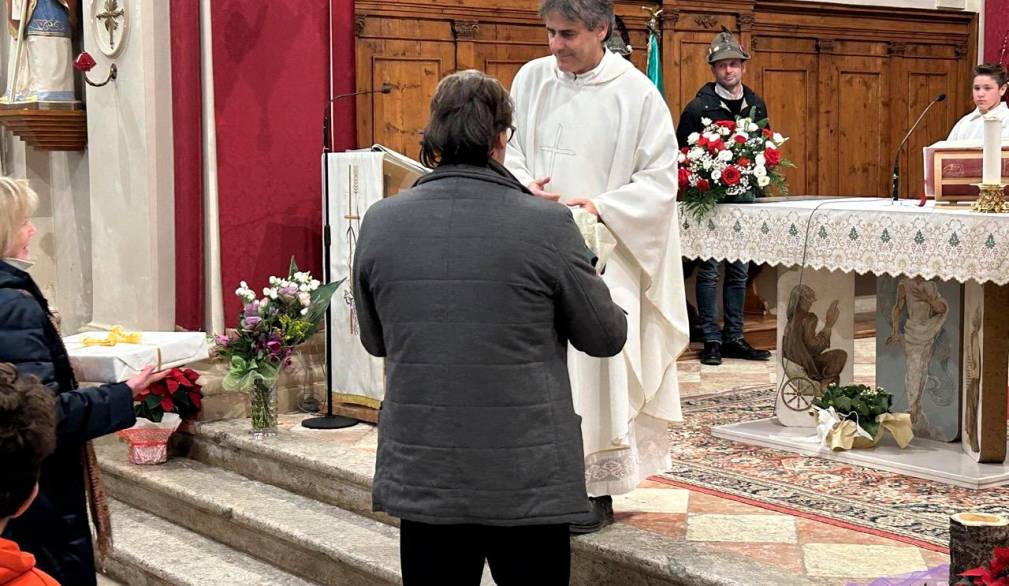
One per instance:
[(358, 179)]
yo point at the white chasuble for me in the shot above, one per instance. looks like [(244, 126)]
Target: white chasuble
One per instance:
[(355, 183), (607, 135)]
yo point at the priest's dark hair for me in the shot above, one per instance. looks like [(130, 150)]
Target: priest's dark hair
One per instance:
[(469, 111), (993, 70), (590, 12), (27, 436)]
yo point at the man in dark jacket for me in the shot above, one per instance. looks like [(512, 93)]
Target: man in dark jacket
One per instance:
[(726, 98), (471, 288)]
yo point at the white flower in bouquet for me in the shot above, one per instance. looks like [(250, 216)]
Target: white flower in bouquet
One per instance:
[(314, 284), (759, 171), (682, 158), (763, 181), (716, 175), (706, 164), (692, 137), (706, 122), (770, 145), (695, 153), (777, 138), (751, 127), (759, 160), (305, 298), (724, 131), (725, 155)]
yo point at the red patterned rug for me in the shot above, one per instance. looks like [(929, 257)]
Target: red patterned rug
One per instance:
[(874, 501)]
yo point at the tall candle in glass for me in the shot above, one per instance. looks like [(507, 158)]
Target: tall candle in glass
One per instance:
[(992, 169)]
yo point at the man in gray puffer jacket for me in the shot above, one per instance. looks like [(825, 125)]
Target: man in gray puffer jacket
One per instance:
[(472, 288)]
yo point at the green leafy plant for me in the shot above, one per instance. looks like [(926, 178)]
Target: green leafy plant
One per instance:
[(859, 403)]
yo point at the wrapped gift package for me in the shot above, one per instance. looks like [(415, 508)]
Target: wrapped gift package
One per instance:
[(112, 357), (952, 173)]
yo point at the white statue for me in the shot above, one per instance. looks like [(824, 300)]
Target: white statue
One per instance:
[(40, 68)]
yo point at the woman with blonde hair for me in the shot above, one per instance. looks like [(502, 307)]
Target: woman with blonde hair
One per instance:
[(55, 528)]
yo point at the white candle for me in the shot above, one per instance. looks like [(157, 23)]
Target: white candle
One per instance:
[(992, 170)]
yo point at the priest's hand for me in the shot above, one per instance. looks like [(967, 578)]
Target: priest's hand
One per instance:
[(584, 203), (538, 187)]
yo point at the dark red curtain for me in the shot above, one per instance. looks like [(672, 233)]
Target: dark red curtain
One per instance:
[(996, 26), (271, 82), (187, 144), (344, 82)]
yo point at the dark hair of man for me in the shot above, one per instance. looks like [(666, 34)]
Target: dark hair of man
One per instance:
[(469, 111), (27, 436), (590, 12), (993, 70)]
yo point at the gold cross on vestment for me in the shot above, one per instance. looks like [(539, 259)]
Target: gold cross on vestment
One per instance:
[(351, 217), (109, 15)]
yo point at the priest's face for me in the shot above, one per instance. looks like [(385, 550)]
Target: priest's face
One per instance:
[(729, 73), (987, 93), (19, 244), (578, 49)]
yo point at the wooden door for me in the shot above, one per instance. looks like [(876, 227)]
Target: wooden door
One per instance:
[(854, 122), (917, 81), (784, 73), (413, 68)]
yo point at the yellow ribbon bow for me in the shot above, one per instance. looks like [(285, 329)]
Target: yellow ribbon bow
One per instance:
[(115, 336)]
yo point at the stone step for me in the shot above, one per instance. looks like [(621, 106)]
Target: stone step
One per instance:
[(308, 538), (150, 551), (337, 467)]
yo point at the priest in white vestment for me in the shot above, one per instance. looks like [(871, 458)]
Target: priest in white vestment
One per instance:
[(594, 132)]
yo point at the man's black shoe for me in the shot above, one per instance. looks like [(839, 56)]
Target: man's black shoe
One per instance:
[(600, 515), (712, 354), (742, 349)]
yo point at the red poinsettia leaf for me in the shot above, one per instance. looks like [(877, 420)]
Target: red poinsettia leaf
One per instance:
[(192, 375), (1001, 554), (172, 384), (167, 404), (978, 571), (196, 399)]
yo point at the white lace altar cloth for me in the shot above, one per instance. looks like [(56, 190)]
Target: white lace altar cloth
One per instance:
[(865, 235)]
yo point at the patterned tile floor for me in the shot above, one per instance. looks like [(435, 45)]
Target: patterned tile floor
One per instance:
[(826, 554)]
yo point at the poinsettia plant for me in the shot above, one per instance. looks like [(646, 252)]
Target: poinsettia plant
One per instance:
[(859, 403), (730, 161), (178, 392), (994, 573)]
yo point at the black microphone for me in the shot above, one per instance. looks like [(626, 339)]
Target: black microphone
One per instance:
[(385, 89), (896, 158)]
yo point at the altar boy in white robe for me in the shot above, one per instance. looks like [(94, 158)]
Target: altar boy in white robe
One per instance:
[(594, 132)]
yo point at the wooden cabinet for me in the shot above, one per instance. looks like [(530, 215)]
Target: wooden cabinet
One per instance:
[(844, 82)]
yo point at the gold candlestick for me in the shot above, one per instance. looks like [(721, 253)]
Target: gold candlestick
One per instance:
[(991, 200)]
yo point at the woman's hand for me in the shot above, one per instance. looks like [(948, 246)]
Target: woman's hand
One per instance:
[(584, 203), (144, 379)]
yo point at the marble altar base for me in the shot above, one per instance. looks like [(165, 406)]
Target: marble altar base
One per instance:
[(939, 461)]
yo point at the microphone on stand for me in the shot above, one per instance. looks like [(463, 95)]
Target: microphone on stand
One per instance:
[(329, 420), (896, 158)]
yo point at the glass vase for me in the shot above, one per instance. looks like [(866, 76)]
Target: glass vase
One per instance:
[(263, 408)]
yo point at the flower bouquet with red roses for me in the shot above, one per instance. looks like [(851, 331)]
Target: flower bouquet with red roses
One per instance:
[(730, 162), (160, 409), (994, 573)]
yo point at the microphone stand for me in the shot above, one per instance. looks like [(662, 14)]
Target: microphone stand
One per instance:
[(329, 420), (895, 186)]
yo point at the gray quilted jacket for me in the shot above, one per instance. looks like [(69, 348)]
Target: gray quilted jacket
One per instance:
[(472, 288)]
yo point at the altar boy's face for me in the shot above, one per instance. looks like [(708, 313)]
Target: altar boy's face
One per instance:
[(578, 49), (22, 239), (987, 93)]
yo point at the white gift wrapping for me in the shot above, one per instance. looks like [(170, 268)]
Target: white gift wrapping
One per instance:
[(597, 236), (113, 364)]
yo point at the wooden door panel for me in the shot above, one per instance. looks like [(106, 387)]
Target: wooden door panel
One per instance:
[(414, 69), (788, 84), (854, 124), (918, 82)]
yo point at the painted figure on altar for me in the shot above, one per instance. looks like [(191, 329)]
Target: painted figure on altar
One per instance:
[(973, 372), (802, 345), (926, 313), (41, 71)]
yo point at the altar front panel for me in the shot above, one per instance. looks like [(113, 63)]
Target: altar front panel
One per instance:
[(986, 351), (918, 359)]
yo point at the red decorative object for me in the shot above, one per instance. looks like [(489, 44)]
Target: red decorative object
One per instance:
[(84, 62), (994, 573), (176, 393)]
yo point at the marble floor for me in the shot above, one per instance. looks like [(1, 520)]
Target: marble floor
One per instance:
[(826, 554)]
